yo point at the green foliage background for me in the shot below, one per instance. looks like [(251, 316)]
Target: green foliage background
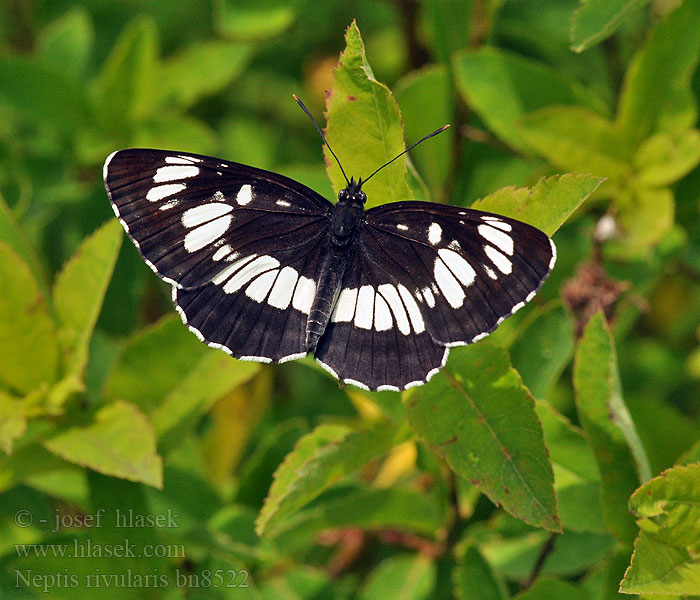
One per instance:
[(556, 459)]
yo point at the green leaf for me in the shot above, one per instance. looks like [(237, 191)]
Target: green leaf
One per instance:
[(576, 139), (474, 578), (402, 577), (176, 132), (25, 83), (547, 205), (27, 333), (161, 354), (253, 20), (127, 87), (501, 87), (663, 66), (67, 43), (364, 508), (13, 235), (646, 215), (202, 69), (449, 34), (214, 375), (79, 291), (116, 440), (320, 459), (660, 568), (576, 478), (477, 414), (608, 426), (364, 127), (664, 158), (543, 349), (13, 423), (552, 589), (426, 101), (596, 20)]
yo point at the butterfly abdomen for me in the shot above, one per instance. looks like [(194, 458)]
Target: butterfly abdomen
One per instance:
[(331, 277)]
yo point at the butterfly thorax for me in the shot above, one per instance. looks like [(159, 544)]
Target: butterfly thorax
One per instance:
[(348, 213)]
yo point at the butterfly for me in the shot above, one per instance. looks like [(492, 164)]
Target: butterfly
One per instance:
[(266, 269)]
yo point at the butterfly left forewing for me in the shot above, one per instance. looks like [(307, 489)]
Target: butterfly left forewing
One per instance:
[(241, 246)]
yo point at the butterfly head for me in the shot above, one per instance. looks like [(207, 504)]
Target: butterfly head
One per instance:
[(353, 194)]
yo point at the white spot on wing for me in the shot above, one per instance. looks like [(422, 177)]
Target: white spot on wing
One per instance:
[(304, 295), (219, 278), (222, 253), (163, 191), (489, 272), (250, 271), (281, 294), (496, 222), (453, 292), (429, 298), (364, 313), (500, 260), (207, 233), (412, 308), (245, 195), (193, 217), (169, 204), (460, 268), (402, 227), (391, 295), (179, 160), (282, 203), (344, 310), (434, 233), (382, 316), (174, 172), (260, 286), (498, 238)]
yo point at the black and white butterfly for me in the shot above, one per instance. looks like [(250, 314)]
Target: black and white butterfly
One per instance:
[(266, 269)]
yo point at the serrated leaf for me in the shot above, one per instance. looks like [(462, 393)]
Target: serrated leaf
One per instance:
[(127, 84), (547, 205), (608, 426), (320, 459), (576, 139), (79, 291), (213, 376), (67, 43), (201, 70), (364, 127), (596, 20), (501, 87), (664, 65), (474, 578), (660, 568), (27, 332), (408, 577), (117, 439), (543, 349), (664, 158), (477, 414)]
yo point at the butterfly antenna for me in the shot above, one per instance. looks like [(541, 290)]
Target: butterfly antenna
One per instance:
[(323, 137), (406, 150)]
